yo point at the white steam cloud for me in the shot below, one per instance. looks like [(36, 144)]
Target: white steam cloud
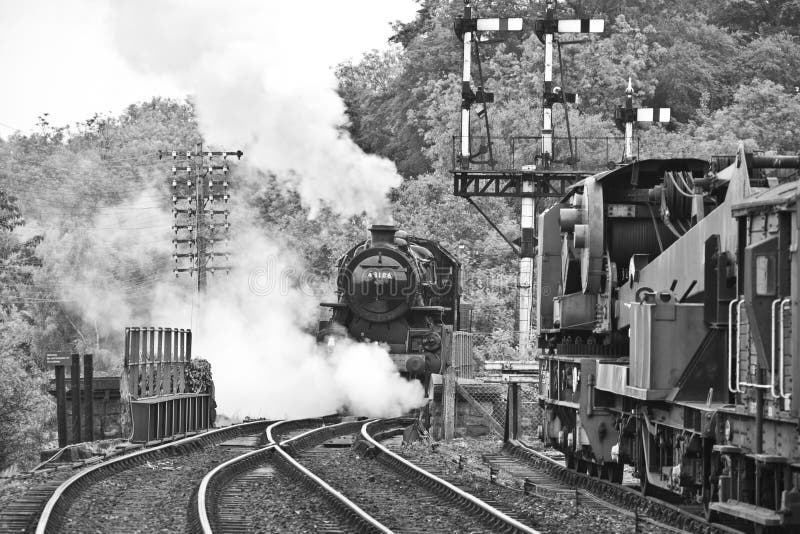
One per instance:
[(265, 364), (262, 77), (257, 86)]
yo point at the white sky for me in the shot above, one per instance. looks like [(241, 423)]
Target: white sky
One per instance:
[(59, 56)]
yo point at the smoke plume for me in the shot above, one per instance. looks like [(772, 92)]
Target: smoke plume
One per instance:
[(262, 78), (259, 86)]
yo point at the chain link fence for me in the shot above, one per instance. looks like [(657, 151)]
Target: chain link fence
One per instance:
[(481, 400), (481, 408)]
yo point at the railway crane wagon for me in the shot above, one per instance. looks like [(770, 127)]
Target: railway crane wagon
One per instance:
[(401, 291), (667, 305)]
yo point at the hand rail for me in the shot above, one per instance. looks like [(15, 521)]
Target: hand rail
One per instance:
[(738, 344), (772, 348), (784, 302), (730, 347)]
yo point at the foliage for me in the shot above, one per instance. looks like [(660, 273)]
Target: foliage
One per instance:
[(198, 376), (72, 197), (25, 408)]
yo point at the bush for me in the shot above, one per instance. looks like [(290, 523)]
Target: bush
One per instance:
[(198, 376)]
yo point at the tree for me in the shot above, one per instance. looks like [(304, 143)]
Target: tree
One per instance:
[(23, 401)]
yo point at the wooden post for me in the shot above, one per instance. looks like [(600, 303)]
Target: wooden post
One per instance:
[(61, 405), (88, 387), (448, 385), (512, 413), (75, 379)]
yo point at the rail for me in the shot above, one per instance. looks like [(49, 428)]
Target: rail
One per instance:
[(213, 478), (70, 487), (657, 512), (784, 303), (515, 152), (399, 463), (772, 347)]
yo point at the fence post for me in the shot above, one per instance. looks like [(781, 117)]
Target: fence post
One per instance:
[(512, 413), (88, 387), (61, 404), (75, 379), (448, 385)]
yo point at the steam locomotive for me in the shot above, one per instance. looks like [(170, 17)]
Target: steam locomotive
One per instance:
[(668, 295), (399, 290)]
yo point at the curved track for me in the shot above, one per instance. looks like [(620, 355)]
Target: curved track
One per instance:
[(147, 490), (268, 491), (366, 488)]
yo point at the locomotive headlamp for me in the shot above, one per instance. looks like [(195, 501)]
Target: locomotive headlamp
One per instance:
[(432, 342)]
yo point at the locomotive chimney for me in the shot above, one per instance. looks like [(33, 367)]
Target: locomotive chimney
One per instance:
[(382, 234)]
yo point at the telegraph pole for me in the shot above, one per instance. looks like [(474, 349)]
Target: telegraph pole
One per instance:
[(200, 239), (199, 221)]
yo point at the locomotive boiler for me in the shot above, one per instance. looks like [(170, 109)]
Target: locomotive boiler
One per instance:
[(667, 305), (401, 291)]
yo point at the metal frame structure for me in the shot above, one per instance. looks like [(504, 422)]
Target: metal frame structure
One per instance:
[(530, 183)]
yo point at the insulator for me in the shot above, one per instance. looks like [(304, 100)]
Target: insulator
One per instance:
[(175, 257), (225, 183), (188, 154), (176, 272), (174, 182), (210, 154), (227, 225), (174, 171), (190, 227), (189, 183), (225, 197), (174, 154), (211, 183), (174, 199), (211, 198), (210, 170), (225, 169), (212, 270)]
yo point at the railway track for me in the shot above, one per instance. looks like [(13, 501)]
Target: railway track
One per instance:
[(365, 488), (233, 496), (144, 491), (545, 476)]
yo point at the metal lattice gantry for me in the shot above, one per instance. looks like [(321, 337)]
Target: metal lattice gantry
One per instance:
[(531, 181)]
